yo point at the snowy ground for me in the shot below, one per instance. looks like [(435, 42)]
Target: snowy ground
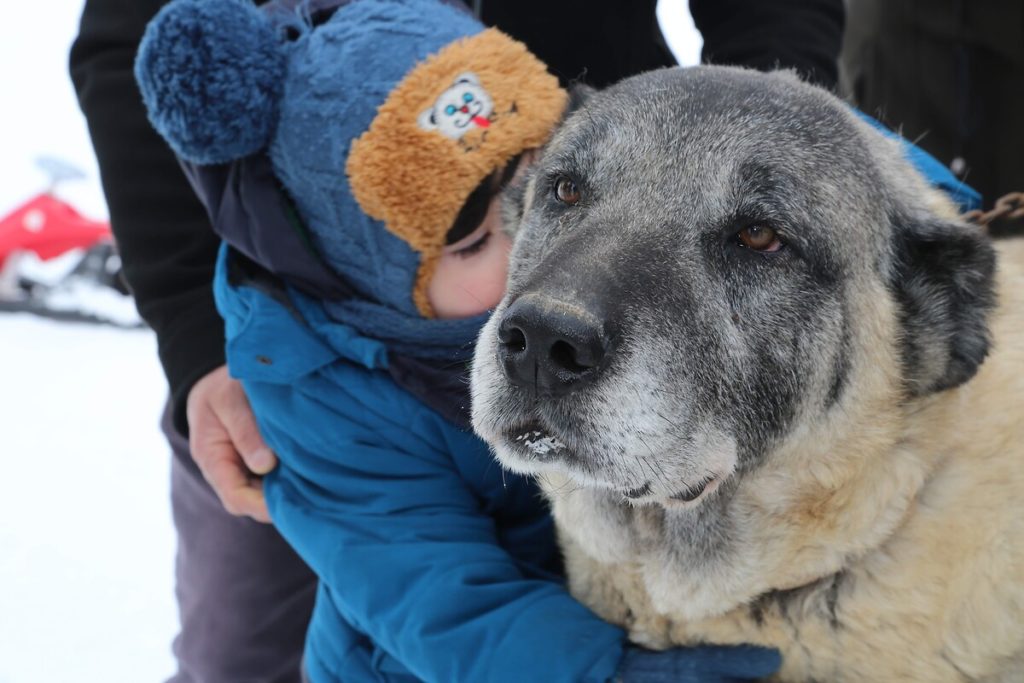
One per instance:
[(86, 546)]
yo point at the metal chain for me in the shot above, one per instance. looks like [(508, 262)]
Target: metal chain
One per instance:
[(1008, 206)]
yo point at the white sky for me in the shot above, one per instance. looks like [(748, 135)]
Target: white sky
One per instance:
[(40, 114)]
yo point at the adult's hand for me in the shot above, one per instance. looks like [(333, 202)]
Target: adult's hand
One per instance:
[(226, 444)]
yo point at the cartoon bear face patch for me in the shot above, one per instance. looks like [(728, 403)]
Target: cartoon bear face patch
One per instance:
[(440, 132), (459, 109)]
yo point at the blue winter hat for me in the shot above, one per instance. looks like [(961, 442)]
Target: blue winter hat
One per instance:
[(379, 122)]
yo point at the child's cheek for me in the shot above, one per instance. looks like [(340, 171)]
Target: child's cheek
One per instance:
[(464, 287)]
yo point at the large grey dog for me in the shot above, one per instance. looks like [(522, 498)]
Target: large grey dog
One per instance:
[(759, 367)]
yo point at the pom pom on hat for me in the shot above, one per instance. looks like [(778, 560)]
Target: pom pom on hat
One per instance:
[(380, 118), (211, 75)]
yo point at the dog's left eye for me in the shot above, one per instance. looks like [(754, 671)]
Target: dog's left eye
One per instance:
[(759, 237), (567, 191)]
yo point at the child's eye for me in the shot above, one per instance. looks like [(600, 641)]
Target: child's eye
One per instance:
[(450, 109), (474, 247), (467, 97)]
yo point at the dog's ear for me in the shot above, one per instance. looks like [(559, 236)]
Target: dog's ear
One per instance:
[(579, 93), (944, 282)]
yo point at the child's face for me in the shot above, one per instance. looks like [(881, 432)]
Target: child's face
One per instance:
[(470, 276)]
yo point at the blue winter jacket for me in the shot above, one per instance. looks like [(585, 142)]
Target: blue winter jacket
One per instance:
[(434, 564)]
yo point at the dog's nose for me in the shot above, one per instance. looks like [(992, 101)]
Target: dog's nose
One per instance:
[(549, 346)]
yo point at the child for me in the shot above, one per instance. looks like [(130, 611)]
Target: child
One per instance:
[(352, 300)]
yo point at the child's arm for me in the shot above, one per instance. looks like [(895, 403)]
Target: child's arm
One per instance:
[(385, 501), (410, 557)]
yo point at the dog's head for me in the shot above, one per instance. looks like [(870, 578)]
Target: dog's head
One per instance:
[(710, 265)]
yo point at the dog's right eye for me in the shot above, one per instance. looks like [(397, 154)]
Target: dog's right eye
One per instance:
[(567, 191), (759, 237)]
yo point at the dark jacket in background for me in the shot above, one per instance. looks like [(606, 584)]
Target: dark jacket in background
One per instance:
[(162, 230), (950, 75)]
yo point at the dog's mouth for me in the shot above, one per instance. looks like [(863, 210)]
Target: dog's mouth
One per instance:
[(533, 442), (691, 495)]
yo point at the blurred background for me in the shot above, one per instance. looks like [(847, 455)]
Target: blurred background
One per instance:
[(86, 542)]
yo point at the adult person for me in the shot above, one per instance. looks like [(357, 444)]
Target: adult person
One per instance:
[(244, 597), (946, 74)]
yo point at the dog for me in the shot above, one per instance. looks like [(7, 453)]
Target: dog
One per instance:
[(771, 384)]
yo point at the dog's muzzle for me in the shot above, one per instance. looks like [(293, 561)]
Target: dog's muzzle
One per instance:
[(551, 347)]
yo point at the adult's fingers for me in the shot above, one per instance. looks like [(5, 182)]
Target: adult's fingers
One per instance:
[(238, 492), (226, 445), (233, 408)]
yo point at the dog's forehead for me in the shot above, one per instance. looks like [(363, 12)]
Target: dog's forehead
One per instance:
[(693, 151), (715, 119)]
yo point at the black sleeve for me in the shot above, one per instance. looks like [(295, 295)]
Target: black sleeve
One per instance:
[(805, 35), (167, 247)]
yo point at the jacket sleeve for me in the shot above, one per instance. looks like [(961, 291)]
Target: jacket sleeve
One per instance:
[(163, 234), (411, 555), (805, 35)]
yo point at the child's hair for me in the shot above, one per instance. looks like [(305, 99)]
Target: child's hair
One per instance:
[(475, 209)]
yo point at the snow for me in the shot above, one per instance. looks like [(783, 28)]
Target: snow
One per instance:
[(86, 543), (48, 272), (83, 296), (539, 443)]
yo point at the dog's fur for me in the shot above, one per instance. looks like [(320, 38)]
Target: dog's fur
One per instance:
[(855, 398)]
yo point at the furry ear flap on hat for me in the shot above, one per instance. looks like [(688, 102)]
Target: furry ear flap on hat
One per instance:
[(211, 74)]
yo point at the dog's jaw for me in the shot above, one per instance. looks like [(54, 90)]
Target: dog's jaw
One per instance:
[(692, 467)]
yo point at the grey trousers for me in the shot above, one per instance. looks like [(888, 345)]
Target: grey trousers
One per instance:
[(244, 596)]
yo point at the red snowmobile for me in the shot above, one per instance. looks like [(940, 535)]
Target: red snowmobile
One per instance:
[(58, 263)]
